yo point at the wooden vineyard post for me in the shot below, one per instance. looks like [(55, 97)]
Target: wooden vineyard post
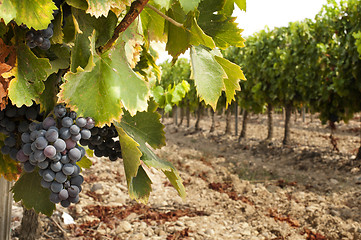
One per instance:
[(236, 118), (5, 208)]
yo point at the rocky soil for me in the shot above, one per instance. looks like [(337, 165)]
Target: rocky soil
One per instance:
[(248, 190)]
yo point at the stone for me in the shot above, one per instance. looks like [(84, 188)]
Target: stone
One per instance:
[(124, 226), (96, 186), (333, 181)]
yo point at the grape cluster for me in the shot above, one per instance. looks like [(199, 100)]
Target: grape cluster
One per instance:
[(51, 145), (103, 143), (40, 38), (13, 122)]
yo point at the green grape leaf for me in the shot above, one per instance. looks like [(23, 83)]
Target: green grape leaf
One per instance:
[(208, 75), (241, 4), (9, 168), (58, 34), (60, 58), (81, 4), (29, 74), (47, 99), (133, 39), (158, 95), (178, 38), (219, 25), (7, 11), (32, 194), (179, 92), (234, 75), (34, 14), (199, 37), (98, 8), (357, 36), (189, 5), (145, 128), (140, 186), (153, 25), (105, 81), (80, 52), (131, 158), (162, 3), (85, 162)]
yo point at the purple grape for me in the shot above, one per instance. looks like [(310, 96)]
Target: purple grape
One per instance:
[(63, 194), (50, 151)]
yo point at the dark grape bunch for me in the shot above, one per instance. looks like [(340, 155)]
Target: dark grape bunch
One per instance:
[(103, 143), (51, 145), (13, 122), (39, 38)]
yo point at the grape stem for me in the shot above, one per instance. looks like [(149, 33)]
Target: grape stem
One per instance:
[(135, 9), (171, 20)]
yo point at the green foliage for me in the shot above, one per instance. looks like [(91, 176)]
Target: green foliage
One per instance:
[(105, 70), (28, 190)]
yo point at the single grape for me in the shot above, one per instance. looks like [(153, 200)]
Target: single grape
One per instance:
[(103, 132), (63, 194), (48, 122), (56, 166), (28, 167), (13, 152), (90, 123), (73, 191), (78, 180), (48, 175), (81, 122), (51, 135), (33, 135), (65, 203), (33, 126), (109, 142), (60, 177), (45, 45), (76, 137), (59, 145), (74, 154), (72, 115), (59, 111), (45, 184), (74, 199), (113, 156), (74, 129), (21, 157), (64, 133), (50, 151), (10, 127), (76, 171), (85, 134), (94, 131), (68, 169), (30, 35), (47, 33), (65, 159), (5, 150), (56, 187), (54, 198), (39, 156), (70, 143), (43, 165), (66, 122), (23, 127), (38, 39), (40, 133), (33, 147), (27, 149), (41, 143), (57, 157)]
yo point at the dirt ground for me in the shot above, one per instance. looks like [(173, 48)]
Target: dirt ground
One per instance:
[(248, 190)]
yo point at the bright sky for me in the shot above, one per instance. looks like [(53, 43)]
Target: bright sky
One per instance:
[(273, 13)]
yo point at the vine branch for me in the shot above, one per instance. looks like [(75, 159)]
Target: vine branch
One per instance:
[(171, 20), (135, 9)]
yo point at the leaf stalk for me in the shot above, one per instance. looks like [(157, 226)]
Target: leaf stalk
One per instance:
[(171, 20), (135, 9)]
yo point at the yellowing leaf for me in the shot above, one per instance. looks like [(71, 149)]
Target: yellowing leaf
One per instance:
[(98, 8)]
